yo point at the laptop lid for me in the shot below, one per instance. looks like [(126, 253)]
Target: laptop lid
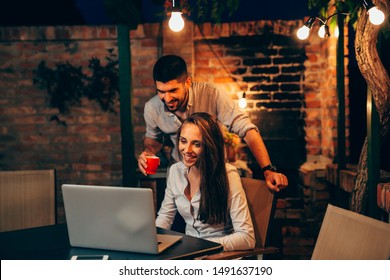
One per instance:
[(113, 218)]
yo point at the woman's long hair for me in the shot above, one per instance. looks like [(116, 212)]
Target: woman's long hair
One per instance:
[(214, 184)]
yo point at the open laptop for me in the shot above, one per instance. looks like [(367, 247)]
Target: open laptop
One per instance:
[(113, 218)]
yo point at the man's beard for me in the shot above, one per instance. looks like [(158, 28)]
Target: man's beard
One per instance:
[(179, 105), (173, 110)]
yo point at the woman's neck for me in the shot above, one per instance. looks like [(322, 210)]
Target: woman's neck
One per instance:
[(194, 171), (193, 182)]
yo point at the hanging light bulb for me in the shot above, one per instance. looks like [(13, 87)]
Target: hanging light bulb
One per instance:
[(324, 31), (336, 32), (321, 31), (375, 15), (304, 31), (242, 103), (176, 22)]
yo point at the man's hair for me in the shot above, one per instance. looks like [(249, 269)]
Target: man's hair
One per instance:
[(214, 183), (170, 67)]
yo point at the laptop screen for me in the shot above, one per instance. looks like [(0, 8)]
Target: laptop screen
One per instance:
[(113, 218)]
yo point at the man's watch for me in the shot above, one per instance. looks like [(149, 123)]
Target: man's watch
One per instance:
[(269, 167)]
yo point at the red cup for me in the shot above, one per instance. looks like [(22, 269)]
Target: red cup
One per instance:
[(152, 164)]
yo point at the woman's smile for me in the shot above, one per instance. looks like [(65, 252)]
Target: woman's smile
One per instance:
[(189, 158)]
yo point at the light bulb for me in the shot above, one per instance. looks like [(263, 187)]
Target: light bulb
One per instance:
[(242, 103), (336, 32), (303, 32), (176, 22), (321, 31), (324, 31), (376, 16)]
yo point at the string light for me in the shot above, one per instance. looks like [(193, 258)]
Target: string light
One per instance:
[(336, 32), (375, 15), (242, 103), (176, 22), (304, 31), (324, 31)]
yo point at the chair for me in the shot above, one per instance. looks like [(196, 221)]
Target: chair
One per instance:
[(261, 204), (27, 199), (346, 235)]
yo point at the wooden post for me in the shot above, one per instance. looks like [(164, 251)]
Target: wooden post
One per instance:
[(341, 161), (125, 87), (373, 156)]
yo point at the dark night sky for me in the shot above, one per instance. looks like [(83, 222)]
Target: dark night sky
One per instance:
[(74, 12)]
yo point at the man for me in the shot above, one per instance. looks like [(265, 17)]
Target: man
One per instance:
[(178, 97)]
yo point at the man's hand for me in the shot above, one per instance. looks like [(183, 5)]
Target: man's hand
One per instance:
[(142, 161), (275, 181), (151, 148)]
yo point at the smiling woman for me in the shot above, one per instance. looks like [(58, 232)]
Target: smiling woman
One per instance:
[(205, 190)]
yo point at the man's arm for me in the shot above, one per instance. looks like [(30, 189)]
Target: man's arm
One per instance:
[(275, 181), (151, 147)]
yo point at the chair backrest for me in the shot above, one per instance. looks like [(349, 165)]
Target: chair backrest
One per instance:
[(261, 205), (27, 199), (346, 235)]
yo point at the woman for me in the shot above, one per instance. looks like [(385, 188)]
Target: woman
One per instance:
[(207, 192)]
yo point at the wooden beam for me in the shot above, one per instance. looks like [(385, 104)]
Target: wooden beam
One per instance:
[(373, 156), (340, 95), (129, 164)]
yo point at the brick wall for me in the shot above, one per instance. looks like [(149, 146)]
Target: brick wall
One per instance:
[(321, 95), (266, 61), (87, 150), (278, 73)]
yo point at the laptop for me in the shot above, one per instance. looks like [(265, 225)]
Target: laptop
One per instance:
[(113, 218)]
